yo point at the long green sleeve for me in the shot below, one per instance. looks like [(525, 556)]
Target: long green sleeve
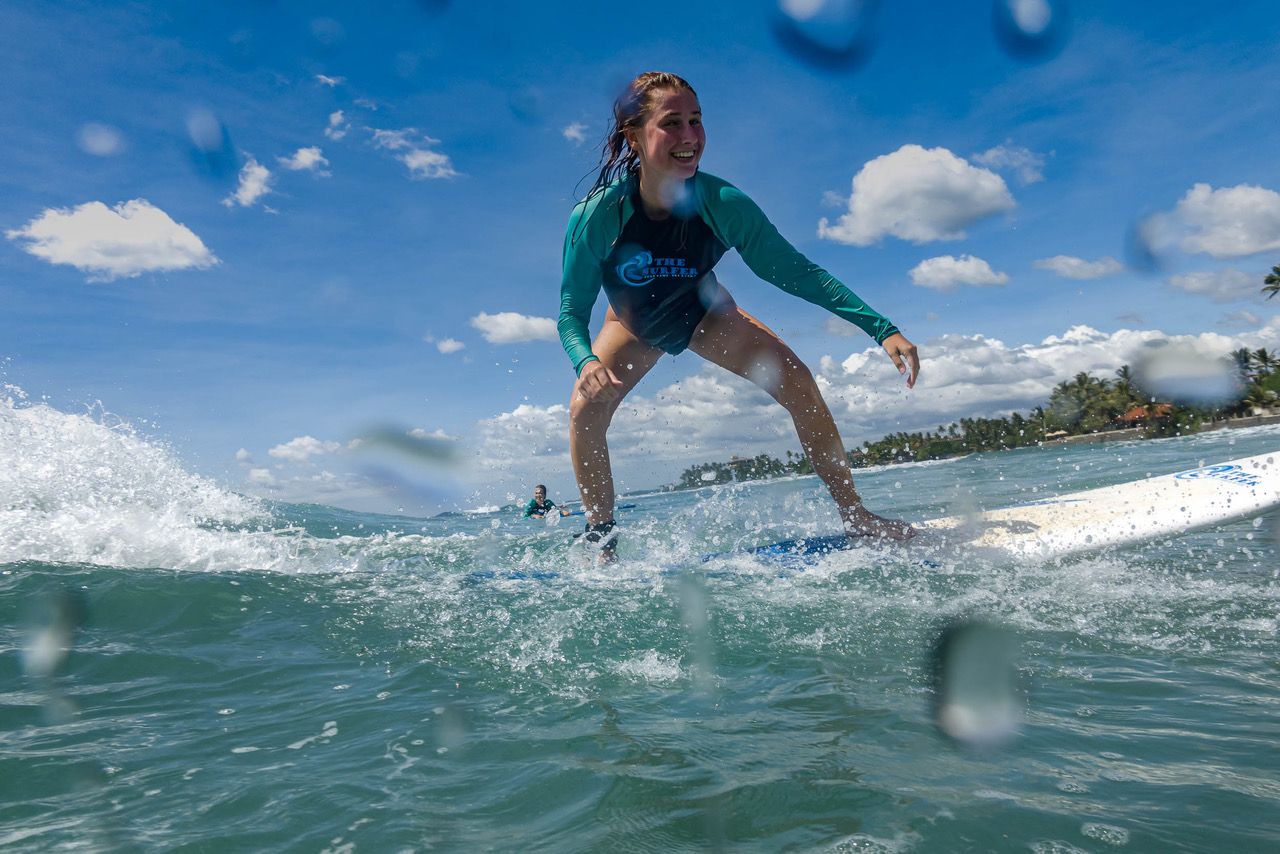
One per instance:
[(739, 222), (594, 226)]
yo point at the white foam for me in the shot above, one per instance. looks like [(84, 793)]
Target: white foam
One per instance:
[(90, 489), (653, 667)]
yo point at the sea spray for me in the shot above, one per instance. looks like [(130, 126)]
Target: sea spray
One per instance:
[(89, 488)]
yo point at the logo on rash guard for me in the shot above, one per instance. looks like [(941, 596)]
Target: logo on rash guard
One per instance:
[(643, 268)]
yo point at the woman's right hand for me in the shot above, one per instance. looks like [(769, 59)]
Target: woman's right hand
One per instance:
[(596, 383)]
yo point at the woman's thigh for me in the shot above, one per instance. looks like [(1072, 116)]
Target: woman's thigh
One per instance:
[(740, 343), (625, 355)]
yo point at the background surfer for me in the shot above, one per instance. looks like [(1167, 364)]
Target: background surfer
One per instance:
[(649, 232), (540, 506)]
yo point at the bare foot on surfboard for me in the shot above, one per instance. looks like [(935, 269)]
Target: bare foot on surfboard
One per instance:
[(861, 522)]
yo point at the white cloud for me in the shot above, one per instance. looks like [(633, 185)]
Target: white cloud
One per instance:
[(920, 195), (832, 199), (441, 435), (305, 158), (421, 160), (1027, 165), (660, 431), (331, 82), (947, 273), (1077, 268), (1230, 222), (1221, 286), (576, 133), (133, 238), (255, 182), (508, 327), (449, 345), (302, 449), (262, 477), (337, 127)]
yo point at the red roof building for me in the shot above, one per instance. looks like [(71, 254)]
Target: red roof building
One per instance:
[(1138, 414)]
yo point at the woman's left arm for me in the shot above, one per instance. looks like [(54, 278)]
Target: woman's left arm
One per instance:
[(739, 222)]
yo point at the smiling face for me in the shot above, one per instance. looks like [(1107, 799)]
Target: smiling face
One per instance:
[(669, 143)]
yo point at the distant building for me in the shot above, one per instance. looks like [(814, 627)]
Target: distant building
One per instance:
[(1138, 415)]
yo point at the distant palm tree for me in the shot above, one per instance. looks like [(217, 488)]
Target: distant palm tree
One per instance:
[(1272, 282), (1260, 398), (1265, 362)]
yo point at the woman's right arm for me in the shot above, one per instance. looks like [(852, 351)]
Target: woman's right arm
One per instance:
[(580, 284)]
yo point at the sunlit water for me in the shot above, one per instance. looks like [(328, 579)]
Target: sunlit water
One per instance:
[(242, 677)]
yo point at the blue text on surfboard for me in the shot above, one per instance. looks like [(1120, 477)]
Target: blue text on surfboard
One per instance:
[(1233, 474)]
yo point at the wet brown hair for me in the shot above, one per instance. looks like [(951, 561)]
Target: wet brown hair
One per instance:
[(631, 110)]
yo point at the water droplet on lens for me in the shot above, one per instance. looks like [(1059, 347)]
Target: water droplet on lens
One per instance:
[(1149, 242), (1185, 374), (327, 33), (830, 34), (452, 727), (766, 372), (211, 148), (528, 104), (1031, 30), (976, 696), (102, 140)]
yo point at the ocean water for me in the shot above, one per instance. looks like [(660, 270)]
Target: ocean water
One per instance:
[(187, 670)]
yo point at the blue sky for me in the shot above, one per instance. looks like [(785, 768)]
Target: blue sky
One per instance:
[(265, 232)]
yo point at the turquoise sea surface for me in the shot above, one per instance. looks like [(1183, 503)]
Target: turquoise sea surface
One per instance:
[(187, 670)]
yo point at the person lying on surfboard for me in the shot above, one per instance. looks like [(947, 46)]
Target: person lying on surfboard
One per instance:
[(539, 505), (649, 233)]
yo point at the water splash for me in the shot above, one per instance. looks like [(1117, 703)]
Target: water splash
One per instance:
[(90, 489)]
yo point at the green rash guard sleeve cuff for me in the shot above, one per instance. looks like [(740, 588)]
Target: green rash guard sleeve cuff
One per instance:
[(739, 222)]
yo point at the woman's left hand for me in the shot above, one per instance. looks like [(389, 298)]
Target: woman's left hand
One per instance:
[(900, 349)]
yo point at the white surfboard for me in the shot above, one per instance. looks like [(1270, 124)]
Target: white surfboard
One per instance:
[(1092, 520), (1120, 515)]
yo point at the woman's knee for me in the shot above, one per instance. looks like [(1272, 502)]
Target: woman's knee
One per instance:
[(796, 386), (585, 415)]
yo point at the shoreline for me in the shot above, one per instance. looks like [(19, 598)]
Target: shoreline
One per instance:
[(1138, 432), (1123, 435)]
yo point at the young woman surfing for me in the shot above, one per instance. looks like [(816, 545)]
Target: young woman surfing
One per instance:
[(649, 232)]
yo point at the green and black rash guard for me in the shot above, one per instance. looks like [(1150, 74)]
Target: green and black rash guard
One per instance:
[(534, 507), (651, 270)]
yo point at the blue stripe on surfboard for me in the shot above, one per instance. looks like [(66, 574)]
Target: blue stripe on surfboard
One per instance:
[(798, 547)]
